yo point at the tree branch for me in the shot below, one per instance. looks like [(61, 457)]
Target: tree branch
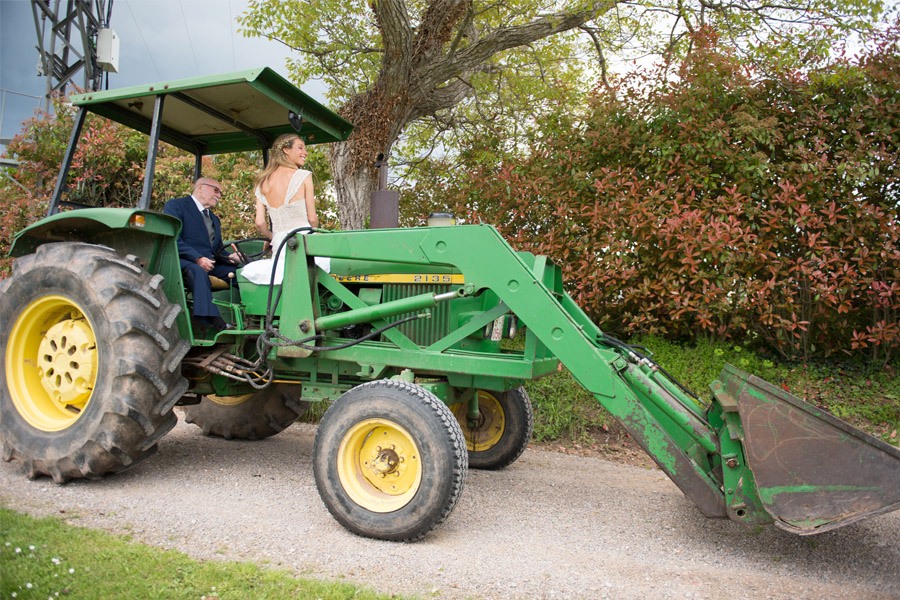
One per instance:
[(438, 24), (592, 33), (442, 98), (396, 35), (499, 40)]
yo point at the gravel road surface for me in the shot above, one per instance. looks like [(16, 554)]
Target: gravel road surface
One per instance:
[(550, 526)]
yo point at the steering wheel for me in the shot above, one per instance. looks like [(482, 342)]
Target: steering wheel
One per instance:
[(248, 249)]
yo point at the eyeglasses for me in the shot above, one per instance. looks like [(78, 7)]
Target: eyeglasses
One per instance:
[(217, 190)]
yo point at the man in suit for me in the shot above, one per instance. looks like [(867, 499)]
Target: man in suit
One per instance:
[(201, 250)]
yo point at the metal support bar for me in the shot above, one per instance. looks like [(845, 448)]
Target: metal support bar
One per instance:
[(395, 336), (66, 163), (668, 405), (381, 311), (152, 151), (472, 326)]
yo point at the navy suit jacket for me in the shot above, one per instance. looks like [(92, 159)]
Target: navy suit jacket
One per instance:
[(194, 240)]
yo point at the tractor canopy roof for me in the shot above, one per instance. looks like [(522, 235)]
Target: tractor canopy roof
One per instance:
[(233, 112)]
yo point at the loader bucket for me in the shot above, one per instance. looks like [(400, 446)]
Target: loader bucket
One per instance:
[(813, 471)]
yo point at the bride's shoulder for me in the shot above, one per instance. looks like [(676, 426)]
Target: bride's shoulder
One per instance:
[(257, 191)]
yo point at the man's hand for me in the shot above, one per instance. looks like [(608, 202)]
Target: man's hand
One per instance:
[(206, 264)]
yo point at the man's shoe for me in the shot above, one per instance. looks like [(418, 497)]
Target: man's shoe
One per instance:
[(202, 328), (218, 324)]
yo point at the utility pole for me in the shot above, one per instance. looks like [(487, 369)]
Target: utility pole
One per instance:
[(73, 36)]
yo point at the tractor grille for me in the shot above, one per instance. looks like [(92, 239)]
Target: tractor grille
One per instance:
[(421, 331)]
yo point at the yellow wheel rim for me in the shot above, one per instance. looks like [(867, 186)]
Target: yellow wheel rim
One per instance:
[(379, 465), (51, 363), (229, 400), (489, 428)]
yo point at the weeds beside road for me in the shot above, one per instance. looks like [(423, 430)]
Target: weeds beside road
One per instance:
[(569, 417)]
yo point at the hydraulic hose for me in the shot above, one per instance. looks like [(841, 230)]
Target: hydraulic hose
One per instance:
[(633, 350)]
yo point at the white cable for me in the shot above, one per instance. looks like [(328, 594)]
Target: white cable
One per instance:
[(190, 41)]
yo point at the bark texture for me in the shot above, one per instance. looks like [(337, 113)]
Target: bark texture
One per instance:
[(425, 69)]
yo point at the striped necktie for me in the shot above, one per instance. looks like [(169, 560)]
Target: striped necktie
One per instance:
[(207, 220)]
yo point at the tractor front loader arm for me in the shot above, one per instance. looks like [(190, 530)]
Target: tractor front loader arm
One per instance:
[(715, 455)]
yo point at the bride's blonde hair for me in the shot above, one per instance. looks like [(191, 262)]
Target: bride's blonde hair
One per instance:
[(277, 157)]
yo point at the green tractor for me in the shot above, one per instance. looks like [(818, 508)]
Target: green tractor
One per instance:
[(403, 334)]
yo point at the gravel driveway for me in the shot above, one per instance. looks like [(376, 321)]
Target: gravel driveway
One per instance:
[(550, 526)]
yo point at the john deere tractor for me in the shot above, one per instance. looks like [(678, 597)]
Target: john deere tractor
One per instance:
[(403, 333)]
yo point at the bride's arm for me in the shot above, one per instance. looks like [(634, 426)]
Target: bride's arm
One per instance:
[(262, 221), (311, 215)]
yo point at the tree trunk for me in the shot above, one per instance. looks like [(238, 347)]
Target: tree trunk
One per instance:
[(353, 184), (379, 115), (424, 70)]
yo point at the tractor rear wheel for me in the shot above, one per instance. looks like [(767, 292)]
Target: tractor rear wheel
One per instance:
[(91, 362), (253, 416), (389, 461), (500, 434)]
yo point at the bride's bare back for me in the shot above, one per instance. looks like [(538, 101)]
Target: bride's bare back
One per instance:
[(289, 154), (275, 188)]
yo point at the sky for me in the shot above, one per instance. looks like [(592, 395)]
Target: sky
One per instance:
[(160, 40)]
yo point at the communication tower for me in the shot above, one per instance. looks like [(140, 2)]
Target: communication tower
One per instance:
[(73, 36)]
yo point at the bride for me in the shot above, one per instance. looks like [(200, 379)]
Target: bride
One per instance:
[(284, 193)]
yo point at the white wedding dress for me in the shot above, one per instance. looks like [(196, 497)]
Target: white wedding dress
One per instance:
[(285, 218)]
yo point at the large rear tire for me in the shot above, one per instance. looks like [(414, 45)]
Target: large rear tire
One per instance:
[(253, 416), (389, 461), (92, 360), (500, 434)]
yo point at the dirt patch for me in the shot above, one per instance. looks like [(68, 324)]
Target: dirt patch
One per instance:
[(625, 452), (615, 446)]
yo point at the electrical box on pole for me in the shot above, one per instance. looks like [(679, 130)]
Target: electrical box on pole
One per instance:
[(108, 50)]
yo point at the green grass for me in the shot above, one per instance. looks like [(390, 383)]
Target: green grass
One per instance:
[(564, 412), (865, 397), (47, 559)]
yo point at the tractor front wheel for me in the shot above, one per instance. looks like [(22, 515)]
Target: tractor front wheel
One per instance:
[(502, 430), (389, 461), (91, 362), (253, 416)]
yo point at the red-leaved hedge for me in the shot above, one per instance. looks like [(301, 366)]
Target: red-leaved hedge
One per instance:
[(719, 204)]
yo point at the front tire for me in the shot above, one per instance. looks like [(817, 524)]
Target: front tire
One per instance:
[(500, 434), (253, 416), (92, 360), (389, 461)]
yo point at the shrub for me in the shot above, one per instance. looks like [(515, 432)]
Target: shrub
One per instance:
[(721, 203)]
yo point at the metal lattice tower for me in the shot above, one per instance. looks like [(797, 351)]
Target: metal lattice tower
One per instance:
[(67, 41)]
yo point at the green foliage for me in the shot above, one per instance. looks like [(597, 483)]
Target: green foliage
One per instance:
[(338, 41), (867, 398), (44, 558), (564, 411), (698, 364), (722, 204), (512, 73)]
